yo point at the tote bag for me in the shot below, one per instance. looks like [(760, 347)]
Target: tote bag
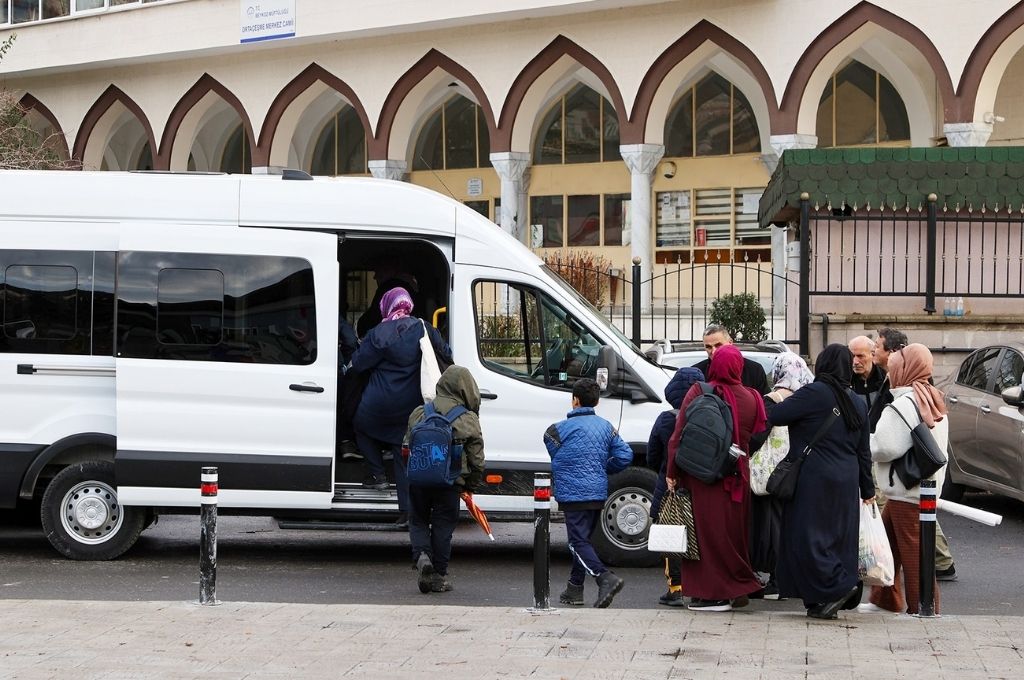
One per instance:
[(677, 510), (923, 459), (764, 461), (430, 372)]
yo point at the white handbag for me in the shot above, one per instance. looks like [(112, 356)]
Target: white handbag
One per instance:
[(430, 372), (667, 538)]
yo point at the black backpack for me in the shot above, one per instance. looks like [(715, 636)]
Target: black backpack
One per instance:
[(705, 440)]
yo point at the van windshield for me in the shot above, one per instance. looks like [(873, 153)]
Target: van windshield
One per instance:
[(561, 283)]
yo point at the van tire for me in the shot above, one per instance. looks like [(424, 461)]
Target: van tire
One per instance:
[(620, 538), (81, 516)]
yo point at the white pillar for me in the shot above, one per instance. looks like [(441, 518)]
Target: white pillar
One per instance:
[(967, 134), (388, 169), (779, 144), (642, 159), (513, 169)]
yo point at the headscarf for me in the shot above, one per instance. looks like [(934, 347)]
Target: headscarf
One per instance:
[(790, 372), (912, 367), (726, 369), (680, 384), (395, 304), (834, 367)]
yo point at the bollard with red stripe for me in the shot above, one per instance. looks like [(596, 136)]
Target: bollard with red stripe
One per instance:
[(541, 542), (927, 507), (208, 537)]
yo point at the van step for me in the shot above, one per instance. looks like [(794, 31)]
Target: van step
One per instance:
[(357, 492), (328, 525)]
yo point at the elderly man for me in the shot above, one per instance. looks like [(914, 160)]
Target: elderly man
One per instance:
[(867, 377), (716, 337)]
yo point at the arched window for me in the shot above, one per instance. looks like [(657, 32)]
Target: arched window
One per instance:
[(236, 157), (454, 136), (860, 106), (712, 118), (341, 146), (580, 127)]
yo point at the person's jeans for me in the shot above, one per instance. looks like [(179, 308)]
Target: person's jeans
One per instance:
[(579, 524), (433, 514), (371, 449)]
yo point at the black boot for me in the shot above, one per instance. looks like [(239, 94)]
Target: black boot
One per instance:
[(426, 573), (573, 594), (608, 586)]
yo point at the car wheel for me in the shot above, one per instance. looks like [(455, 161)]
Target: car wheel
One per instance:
[(620, 538), (82, 517)]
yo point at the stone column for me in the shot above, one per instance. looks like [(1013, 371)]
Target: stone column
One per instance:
[(967, 134), (388, 169), (779, 144), (642, 159), (513, 169)]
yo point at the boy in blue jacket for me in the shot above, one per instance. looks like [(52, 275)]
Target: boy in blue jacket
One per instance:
[(584, 450)]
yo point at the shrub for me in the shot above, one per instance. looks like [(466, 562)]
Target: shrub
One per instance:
[(741, 315), (498, 327), (584, 271)]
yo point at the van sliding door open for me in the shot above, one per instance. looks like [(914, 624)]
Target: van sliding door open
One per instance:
[(226, 356)]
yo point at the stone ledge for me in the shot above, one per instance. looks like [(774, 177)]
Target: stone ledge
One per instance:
[(1007, 320)]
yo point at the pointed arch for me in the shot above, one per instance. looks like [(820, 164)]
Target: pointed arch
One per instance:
[(792, 108), (205, 85), (703, 33), (984, 70), (28, 103), (381, 144), (559, 48), (111, 96), (309, 77)]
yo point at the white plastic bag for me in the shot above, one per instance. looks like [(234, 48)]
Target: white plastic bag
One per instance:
[(876, 567), (430, 372)]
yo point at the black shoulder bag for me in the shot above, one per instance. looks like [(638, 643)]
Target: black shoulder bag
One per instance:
[(923, 459), (782, 481)]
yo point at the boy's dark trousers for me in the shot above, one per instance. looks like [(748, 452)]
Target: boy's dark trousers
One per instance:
[(579, 524), (433, 514)]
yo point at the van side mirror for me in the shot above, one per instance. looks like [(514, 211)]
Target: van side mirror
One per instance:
[(607, 368), (1013, 396)]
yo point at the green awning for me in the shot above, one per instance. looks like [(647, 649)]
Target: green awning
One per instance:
[(961, 177)]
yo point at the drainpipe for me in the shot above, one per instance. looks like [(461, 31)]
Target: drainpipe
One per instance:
[(824, 330)]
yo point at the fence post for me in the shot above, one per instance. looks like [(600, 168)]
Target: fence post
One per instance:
[(927, 506), (805, 273), (636, 301), (208, 537), (541, 542), (929, 282)]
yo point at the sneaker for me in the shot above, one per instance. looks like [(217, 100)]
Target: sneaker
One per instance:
[(376, 483), (946, 574), (426, 573), (608, 586), (402, 522), (673, 598), (573, 594), (871, 608), (699, 605), (440, 584), (349, 450)]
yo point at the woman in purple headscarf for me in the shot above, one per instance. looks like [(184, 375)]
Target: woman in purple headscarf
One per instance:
[(390, 354)]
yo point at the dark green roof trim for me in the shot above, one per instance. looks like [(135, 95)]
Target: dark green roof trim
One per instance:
[(965, 177)]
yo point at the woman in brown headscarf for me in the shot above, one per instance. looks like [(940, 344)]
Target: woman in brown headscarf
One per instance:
[(910, 372)]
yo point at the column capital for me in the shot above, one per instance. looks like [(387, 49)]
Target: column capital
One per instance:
[(780, 143), (642, 159), (388, 169), (967, 134), (511, 165)]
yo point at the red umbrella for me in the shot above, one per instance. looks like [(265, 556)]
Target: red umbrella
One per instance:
[(477, 513)]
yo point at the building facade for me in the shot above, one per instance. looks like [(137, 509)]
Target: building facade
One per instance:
[(630, 127)]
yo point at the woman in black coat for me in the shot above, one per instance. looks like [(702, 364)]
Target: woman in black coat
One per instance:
[(821, 524)]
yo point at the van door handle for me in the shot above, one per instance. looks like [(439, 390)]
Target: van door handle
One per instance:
[(306, 388), (487, 394), (984, 408)]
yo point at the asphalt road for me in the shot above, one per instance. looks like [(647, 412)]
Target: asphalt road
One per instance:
[(259, 562)]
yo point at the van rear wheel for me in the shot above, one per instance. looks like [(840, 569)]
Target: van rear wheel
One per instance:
[(621, 537), (82, 517)]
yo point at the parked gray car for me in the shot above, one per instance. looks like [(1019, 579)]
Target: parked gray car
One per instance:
[(690, 353), (986, 423)]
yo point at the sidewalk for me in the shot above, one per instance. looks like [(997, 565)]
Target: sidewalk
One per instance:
[(113, 640)]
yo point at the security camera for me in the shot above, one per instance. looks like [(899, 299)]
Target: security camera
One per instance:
[(668, 169)]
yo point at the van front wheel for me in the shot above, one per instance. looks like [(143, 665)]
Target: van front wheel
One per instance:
[(82, 517), (621, 537)]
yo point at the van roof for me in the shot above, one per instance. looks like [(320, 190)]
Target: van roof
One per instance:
[(226, 200)]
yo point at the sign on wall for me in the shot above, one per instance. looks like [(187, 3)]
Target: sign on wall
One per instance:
[(267, 20)]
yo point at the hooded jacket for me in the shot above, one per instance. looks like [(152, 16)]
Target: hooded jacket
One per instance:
[(584, 450), (458, 388), (657, 444)]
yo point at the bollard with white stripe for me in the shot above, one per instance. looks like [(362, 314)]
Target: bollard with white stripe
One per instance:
[(927, 506), (208, 537), (541, 542)]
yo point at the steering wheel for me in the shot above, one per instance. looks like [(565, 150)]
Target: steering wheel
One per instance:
[(557, 357)]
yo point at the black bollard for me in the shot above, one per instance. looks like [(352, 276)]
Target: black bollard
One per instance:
[(927, 507), (541, 542), (208, 538)]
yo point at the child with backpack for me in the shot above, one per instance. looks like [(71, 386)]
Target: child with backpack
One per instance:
[(584, 450), (445, 457)]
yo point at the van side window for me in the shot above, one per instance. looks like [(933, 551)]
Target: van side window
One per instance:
[(526, 334), (47, 302), (211, 307)]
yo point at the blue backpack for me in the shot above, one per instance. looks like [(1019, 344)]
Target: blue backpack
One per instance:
[(434, 459)]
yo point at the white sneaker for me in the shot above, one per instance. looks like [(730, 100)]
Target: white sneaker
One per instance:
[(869, 608)]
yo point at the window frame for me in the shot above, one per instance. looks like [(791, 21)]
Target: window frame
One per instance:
[(691, 92), (541, 132), (968, 367)]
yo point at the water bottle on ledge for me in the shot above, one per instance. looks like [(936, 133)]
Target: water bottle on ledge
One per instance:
[(959, 305), (947, 306)]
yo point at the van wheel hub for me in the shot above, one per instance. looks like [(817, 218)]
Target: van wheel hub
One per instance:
[(632, 518), (91, 512), (627, 514)]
